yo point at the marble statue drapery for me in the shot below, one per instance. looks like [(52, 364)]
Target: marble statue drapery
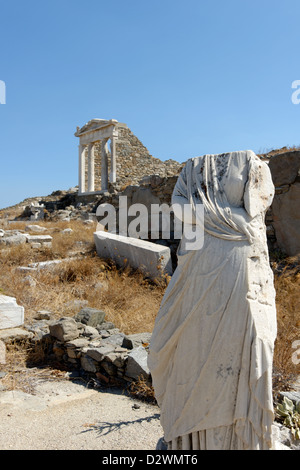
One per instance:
[(212, 345)]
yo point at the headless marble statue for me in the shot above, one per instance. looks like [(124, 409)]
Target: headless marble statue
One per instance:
[(211, 350)]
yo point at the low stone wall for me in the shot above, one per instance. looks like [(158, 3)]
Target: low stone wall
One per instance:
[(89, 344)]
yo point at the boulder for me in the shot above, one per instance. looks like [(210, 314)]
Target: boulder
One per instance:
[(11, 314)]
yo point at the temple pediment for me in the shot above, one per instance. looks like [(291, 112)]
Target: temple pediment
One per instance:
[(94, 125)]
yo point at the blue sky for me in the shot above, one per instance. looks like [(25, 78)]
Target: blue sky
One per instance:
[(188, 78)]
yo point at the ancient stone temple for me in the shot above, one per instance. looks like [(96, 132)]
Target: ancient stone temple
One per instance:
[(109, 153)]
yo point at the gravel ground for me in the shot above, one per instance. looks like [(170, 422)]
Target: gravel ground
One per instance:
[(63, 415)]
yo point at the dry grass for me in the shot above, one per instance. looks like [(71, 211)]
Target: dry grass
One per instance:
[(287, 285), (130, 301)]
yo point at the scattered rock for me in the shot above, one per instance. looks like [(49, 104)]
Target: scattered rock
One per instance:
[(138, 339), (15, 334), (90, 331), (137, 364), (35, 228), (43, 315), (66, 329), (42, 240), (90, 316), (13, 239)]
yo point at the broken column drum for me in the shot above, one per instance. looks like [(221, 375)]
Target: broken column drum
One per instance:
[(211, 350)]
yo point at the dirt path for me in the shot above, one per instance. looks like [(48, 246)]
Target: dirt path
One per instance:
[(64, 415)]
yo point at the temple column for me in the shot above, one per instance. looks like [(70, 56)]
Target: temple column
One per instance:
[(81, 182), (113, 171), (91, 167), (104, 165)]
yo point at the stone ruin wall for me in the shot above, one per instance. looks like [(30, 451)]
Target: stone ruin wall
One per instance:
[(133, 161)]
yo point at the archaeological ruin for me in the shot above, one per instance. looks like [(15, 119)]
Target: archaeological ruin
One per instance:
[(110, 154)]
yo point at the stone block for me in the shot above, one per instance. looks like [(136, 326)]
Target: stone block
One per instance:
[(117, 339), (42, 239), (35, 228), (135, 340), (11, 314), (137, 364), (88, 364), (65, 329), (100, 353), (13, 239), (90, 316), (15, 334), (150, 258)]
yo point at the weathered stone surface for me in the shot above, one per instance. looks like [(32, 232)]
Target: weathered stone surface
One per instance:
[(35, 228), (150, 258), (77, 343), (138, 339), (293, 395), (13, 239), (100, 353), (133, 160), (66, 329), (284, 167), (43, 315), (2, 352), (91, 332), (15, 334), (40, 265), (286, 220), (42, 239), (11, 314), (109, 368), (88, 364), (117, 339), (137, 364), (90, 316)]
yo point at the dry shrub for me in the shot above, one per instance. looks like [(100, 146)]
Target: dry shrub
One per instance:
[(287, 285), (80, 239), (142, 390), (130, 301)]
